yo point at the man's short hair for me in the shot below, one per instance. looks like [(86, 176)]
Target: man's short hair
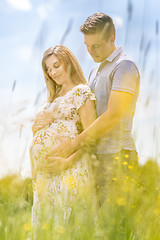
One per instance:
[(99, 22)]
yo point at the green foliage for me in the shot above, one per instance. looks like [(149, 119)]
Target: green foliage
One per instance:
[(15, 206), (131, 210)]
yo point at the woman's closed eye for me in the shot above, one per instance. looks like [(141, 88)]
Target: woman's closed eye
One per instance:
[(56, 65)]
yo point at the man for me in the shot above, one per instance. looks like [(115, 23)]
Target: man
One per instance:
[(115, 82)]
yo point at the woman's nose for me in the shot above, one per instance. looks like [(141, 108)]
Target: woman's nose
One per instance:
[(53, 71)]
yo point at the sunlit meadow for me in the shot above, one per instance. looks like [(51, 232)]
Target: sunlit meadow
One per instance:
[(131, 210)]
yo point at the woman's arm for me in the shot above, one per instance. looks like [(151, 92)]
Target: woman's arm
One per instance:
[(87, 113)]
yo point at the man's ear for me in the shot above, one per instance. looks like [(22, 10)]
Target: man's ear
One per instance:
[(112, 39)]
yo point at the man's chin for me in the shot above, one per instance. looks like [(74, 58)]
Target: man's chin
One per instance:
[(96, 59)]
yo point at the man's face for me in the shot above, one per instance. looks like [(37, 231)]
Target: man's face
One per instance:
[(98, 47)]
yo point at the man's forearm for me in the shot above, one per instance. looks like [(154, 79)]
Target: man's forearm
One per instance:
[(96, 130), (117, 105), (72, 159)]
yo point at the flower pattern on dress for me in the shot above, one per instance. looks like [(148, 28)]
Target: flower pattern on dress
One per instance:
[(62, 189)]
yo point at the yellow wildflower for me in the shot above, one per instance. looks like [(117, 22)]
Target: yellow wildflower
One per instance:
[(69, 181), (125, 163), (27, 227), (121, 201), (133, 180), (114, 179), (126, 156), (116, 157), (130, 167)]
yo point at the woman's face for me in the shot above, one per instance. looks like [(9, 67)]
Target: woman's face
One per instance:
[(56, 70)]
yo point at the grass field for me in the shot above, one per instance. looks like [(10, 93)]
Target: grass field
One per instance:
[(131, 210)]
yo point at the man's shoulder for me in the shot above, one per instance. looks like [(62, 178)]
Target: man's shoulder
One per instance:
[(125, 62), (125, 58), (121, 61), (126, 65)]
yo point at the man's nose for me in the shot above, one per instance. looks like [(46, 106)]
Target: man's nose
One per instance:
[(91, 50)]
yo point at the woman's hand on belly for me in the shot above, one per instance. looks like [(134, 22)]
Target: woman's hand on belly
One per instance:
[(41, 121), (36, 127)]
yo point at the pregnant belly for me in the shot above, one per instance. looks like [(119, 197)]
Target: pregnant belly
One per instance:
[(45, 140)]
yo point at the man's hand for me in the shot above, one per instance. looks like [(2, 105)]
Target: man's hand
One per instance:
[(54, 165), (65, 149)]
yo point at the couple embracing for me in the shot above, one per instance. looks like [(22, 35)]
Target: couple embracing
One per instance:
[(84, 129)]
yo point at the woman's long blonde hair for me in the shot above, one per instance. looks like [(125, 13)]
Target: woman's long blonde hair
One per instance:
[(71, 65)]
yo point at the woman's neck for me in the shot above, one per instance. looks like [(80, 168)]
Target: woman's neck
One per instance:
[(65, 88)]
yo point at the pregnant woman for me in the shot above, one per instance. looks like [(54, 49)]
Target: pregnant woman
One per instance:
[(70, 109)]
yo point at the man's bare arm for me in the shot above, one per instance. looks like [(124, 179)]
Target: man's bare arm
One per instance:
[(55, 165), (117, 106)]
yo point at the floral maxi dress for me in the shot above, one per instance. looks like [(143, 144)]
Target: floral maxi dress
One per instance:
[(56, 195)]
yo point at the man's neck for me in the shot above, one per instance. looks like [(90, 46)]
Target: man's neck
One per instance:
[(112, 50)]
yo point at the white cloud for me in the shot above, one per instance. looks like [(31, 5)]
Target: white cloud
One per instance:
[(22, 5), (43, 10), (118, 21)]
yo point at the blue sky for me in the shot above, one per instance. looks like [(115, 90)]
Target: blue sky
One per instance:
[(30, 27)]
